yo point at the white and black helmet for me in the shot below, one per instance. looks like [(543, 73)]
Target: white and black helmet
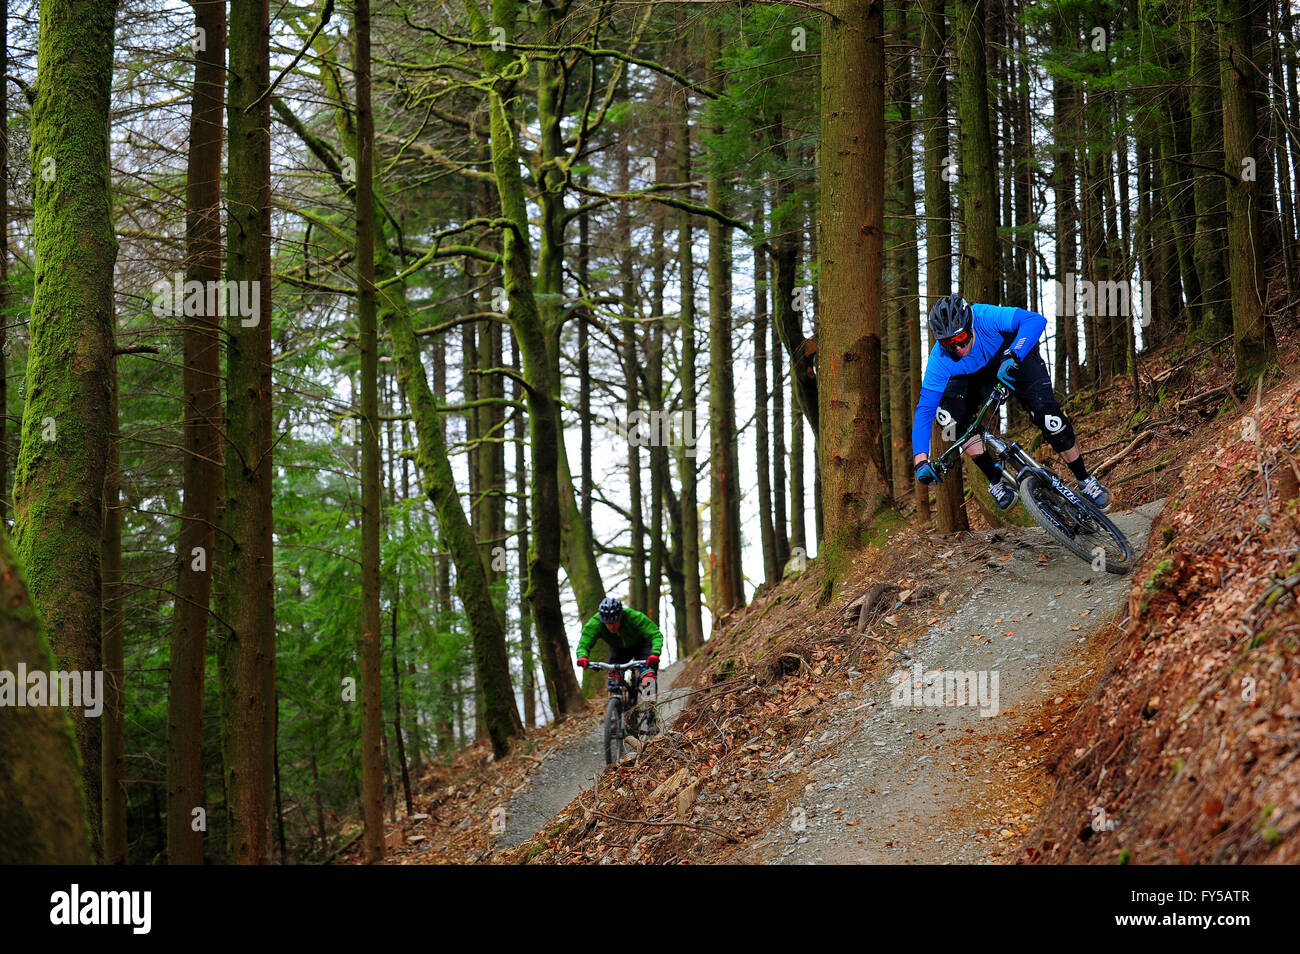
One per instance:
[(611, 610)]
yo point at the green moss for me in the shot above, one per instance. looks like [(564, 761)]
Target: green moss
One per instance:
[(886, 521), (1153, 582), (1262, 636), (533, 853), (1125, 856)]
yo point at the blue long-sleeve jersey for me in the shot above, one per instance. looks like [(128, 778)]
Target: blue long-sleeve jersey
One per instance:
[(991, 324)]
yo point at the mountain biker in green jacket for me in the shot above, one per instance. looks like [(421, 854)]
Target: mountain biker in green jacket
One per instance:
[(630, 633)]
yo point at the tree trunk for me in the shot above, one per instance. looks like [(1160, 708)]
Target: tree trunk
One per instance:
[(631, 384), (693, 636), (114, 714), (491, 665), (950, 495), (521, 522), (397, 720), (201, 473), (779, 489), (1064, 131), (44, 817), (655, 395), (1254, 346), (63, 456), (901, 231), (371, 498), (979, 209), (728, 586), (247, 653), (4, 262), (767, 530), (851, 243)]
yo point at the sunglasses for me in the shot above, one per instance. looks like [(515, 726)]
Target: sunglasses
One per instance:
[(959, 340)]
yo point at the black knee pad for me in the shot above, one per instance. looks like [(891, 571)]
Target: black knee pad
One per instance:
[(1056, 427)]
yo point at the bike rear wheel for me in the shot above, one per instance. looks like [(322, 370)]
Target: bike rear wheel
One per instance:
[(613, 730), (1081, 528)]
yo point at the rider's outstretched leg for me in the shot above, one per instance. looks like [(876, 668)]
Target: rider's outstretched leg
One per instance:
[(1034, 390)]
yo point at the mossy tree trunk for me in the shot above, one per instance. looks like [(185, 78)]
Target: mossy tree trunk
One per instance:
[(59, 480), (44, 816), (978, 276)]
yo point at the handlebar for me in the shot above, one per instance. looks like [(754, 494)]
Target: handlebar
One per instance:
[(619, 667)]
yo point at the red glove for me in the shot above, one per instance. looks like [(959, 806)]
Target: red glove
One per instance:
[(653, 660), (582, 662)]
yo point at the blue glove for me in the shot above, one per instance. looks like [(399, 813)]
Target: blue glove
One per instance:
[(1007, 373), (926, 474)]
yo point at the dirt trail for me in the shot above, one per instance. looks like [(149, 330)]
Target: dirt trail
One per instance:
[(942, 783), (566, 773)]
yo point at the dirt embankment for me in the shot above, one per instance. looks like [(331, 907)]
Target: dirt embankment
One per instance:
[(1189, 749)]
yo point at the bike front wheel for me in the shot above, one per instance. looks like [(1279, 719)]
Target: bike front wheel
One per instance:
[(1078, 526), (613, 730)]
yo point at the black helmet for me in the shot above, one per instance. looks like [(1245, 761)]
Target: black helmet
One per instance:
[(611, 610), (951, 316)]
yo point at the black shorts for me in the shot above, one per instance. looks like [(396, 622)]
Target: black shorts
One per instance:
[(966, 394)]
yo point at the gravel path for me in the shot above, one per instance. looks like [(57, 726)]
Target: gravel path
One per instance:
[(568, 772), (941, 783)]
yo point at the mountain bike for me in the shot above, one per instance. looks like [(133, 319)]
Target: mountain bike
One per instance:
[(627, 712), (1071, 520)]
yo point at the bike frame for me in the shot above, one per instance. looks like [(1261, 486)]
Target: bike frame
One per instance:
[(1022, 463), (617, 684)]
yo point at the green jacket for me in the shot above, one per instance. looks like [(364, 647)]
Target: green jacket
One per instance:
[(636, 628)]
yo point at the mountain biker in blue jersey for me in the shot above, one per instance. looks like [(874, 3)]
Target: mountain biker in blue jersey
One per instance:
[(978, 346), (630, 633)]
